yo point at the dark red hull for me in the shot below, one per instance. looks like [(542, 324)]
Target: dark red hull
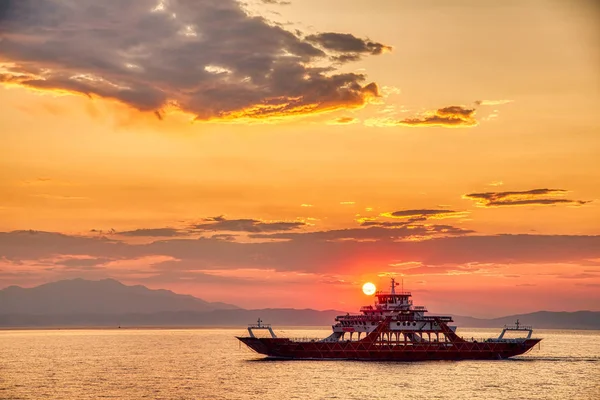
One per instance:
[(377, 351)]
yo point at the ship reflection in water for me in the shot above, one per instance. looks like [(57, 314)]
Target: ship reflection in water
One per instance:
[(393, 329)]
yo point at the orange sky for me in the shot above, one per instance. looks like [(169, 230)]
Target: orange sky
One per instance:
[(281, 155)]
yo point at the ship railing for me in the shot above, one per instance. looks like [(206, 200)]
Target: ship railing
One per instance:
[(384, 293), (306, 339), (261, 326), (441, 318), (477, 340), (518, 328), (493, 340)]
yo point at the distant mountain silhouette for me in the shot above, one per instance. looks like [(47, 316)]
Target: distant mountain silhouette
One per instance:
[(109, 303), (108, 296), (539, 319)]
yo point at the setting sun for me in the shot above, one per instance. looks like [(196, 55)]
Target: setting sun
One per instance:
[(369, 289)]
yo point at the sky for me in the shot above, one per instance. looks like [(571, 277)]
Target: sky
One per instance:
[(273, 153)]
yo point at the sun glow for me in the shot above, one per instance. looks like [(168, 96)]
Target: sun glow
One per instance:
[(369, 289)]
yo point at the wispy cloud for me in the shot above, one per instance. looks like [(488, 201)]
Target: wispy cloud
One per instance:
[(371, 233), (246, 225), (347, 46), (492, 102), (153, 232), (523, 198), (278, 2), (452, 116), (343, 121), (424, 214)]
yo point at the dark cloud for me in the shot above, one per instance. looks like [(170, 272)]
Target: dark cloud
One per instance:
[(452, 116), (580, 276), (348, 45), (321, 252), (31, 245), (206, 57), (421, 269), (155, 232), (423, 213), (278, 2), (379, 232), (223, 236), (411, 217), (389, 224), (82, 262), (246, 225), (522, 198), (344, 121)]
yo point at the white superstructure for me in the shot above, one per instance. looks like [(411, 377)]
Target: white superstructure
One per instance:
[(404, 316)]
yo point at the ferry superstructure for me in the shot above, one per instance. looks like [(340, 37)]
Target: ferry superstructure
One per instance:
[(392, 329)]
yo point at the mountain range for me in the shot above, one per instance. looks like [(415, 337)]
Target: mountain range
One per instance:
[(108, 303), (107, 296)]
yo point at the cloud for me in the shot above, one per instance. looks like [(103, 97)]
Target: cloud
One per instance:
[(343, 121), (374, 233), (278, 2), (422, 269), (246, 225), (224, 236), (452, 116), (153, 232), (208, 58), (492, 102), (82, 262), (522, 198), (349, 46), (389, 224), (424, 214), (319, 252), (580, 276)]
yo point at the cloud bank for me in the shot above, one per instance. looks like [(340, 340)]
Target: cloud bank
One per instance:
[(523, 198), (245, 225)]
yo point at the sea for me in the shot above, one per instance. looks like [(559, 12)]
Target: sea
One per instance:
[(132, 363)]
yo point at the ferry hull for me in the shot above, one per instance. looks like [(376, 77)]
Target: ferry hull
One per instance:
[(363, 350)]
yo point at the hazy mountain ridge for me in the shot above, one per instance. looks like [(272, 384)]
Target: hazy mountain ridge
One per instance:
[(109, 303), (538, 319), (107, 296)]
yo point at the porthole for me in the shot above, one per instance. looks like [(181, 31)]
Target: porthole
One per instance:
[(398, 323), (414, 324)]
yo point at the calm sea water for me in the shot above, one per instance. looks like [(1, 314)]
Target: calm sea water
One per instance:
[(209, 364)]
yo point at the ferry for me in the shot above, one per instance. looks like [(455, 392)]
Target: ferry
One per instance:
[(392, 329)]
